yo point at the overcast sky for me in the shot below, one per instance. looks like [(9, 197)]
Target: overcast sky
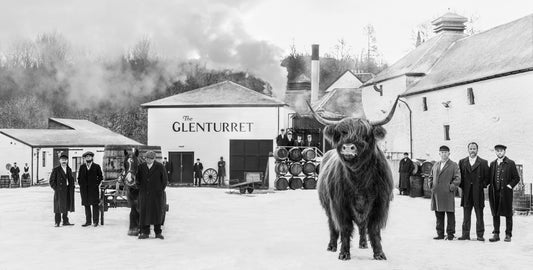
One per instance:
[(221, 31)]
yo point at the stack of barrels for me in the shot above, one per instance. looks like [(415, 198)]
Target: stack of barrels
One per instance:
[(296, 167)]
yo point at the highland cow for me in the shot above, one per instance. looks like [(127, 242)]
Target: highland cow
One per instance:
[(355, 182)]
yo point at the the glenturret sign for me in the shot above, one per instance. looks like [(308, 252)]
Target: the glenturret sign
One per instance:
[(188, 124)]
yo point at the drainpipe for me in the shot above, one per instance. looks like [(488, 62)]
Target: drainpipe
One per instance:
[(410, 127)]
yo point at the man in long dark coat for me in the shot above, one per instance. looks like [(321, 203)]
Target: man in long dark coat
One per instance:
[(310, 142), (152, 180), (89, 179), (168, 166), (503, 178), (474, 178), (62, 182), (444, 179), (198, 169), (221, 173), (15, 173), (405, 170)]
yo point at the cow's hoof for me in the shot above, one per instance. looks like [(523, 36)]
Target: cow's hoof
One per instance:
[(344, 256), (380, 256), (363, 244), (332, 247)]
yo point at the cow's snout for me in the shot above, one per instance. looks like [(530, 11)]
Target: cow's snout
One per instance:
[(349, 150)]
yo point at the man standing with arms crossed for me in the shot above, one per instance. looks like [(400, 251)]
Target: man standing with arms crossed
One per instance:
[(503, 178), (474, 178)]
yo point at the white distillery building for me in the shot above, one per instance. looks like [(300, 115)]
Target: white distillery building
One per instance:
[(40, 148), (458, 89), (221, 120)]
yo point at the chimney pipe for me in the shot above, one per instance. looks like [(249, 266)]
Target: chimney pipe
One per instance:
[(315, 73)]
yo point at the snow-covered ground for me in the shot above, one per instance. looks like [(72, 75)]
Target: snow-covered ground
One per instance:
[(210, 228)]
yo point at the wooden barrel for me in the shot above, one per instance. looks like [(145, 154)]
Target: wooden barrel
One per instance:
[(4, 181), (281, 183), (416, 182), (309, 183), (427, 190), (426, 167), (281, 168), (295, 183), (281, 153), (296, 169), (26, 182), (309, 168), (309, 154), (113, 162), (295, 154), (417, 170)]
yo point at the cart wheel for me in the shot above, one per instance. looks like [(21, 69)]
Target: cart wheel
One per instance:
[(250, 190), (210, 176), (242, 190)]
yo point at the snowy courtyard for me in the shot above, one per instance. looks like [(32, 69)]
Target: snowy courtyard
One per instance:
[(209, 228)]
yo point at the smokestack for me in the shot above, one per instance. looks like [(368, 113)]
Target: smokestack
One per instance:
[(315, 73)]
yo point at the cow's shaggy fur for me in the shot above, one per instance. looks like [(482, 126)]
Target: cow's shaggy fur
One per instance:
[(355, 190)]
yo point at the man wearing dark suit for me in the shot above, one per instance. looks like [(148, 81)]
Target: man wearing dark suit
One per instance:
[(152, 180), (503, 178), (405, 170), (89, 179), (62, 182), (290, 139), (15, 173), (168, 167), (221, 173), (299, 141), (310, 142), (198, 168), (475, 177), (281, 140)]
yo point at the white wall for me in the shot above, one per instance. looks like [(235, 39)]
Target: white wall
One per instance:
[(210, 146), (502, 114), (13, 151), (347, 80)]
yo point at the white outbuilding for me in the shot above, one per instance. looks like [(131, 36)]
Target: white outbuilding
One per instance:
[(221, 120)]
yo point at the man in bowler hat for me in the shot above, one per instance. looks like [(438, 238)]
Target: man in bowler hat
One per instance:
[(444, 179), (89, 179), (62, 182), (503, 178)]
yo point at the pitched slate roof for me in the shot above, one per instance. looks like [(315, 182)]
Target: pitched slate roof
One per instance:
[(83, 133), (420, 60), (500, 51), (223, 94)]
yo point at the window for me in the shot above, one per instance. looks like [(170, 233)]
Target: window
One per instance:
[(44, 158), (446, 132), (470, 94), (424, 104)]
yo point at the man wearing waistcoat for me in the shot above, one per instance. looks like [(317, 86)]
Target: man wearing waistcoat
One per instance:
[(503, 178), (474, 178)]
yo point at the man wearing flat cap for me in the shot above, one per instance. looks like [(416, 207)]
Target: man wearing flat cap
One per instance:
[(62, 182), (444, 179), (503, 178), (89, 179), (152, 180)]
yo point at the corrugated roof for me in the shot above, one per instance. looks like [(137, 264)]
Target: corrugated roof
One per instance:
[(223, 94), (502, 50), (83, 133), (419, 60)]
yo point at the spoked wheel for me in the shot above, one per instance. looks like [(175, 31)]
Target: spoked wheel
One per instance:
[(210, 176)]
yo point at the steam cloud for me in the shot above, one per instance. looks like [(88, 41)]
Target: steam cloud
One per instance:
[(207, 31)]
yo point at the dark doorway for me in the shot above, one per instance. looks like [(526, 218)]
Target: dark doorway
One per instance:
[(182, 164), (248, 156), (57, 153)]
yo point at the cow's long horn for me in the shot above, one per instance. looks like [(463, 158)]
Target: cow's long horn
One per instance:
[(389, 116), (320, 119)]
